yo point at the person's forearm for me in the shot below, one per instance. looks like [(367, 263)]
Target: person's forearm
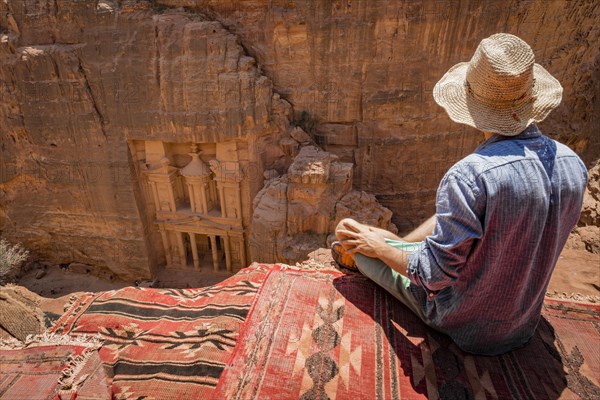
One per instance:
[(395, 258), (424, 230), (384, 233)]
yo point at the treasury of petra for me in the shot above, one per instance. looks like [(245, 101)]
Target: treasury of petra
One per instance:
[(197, 135)]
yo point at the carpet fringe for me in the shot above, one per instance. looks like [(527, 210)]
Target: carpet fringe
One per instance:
[(307, 265), (46, 339), (72, 299), (66, 380)]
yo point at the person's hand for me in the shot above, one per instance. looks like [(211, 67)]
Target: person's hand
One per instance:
[(359, 239), (351, 226)]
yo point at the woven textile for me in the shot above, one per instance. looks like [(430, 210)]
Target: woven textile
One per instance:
[(165, 343), (53, 370), (322, 335)]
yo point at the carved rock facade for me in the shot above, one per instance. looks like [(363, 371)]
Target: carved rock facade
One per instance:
[(136, 138), (101, 104), (297, 212), (100, 107)]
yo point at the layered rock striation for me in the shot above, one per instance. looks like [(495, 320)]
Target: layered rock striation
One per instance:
[(84, 80), (364, 72), (84, 83)]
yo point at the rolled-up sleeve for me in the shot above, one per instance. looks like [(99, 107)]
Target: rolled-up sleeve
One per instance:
[(458, 225)]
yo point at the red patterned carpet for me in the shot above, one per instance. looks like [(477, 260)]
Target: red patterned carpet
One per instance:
[(315, 335), (52, 367), (166, 343), (272, 332)]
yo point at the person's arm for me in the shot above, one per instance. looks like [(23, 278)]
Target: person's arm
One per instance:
[(384, 233), (356, 226), (437, 264), (422, 231), (417, 235), (361, 239), (396, 259), (460, 206)]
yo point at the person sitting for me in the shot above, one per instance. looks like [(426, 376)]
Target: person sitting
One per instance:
[(479, 268)]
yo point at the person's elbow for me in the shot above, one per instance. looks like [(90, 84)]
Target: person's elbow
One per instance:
[(431, 273)]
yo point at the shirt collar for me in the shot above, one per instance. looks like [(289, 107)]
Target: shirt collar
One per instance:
[(532, 131)]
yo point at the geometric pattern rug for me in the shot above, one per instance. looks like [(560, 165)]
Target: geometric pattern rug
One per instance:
[(324, 335), (280, 332), (165, 343)]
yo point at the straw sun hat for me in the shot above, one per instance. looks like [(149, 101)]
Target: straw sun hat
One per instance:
[(501, 90)]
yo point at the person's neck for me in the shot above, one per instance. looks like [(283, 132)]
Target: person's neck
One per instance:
[(488, 135)]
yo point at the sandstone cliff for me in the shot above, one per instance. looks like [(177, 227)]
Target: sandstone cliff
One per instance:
[(586, 234), (81, 80), (364, 70), (84, 81)]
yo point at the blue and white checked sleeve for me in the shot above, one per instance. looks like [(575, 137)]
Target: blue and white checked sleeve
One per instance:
[(458, 226)]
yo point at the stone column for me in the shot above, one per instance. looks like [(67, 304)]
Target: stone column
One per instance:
[(239, 201), (227, 247), (194, 251), (242, 252), (163, 178), (172, 203), (222, 199), (203, 199), (212, 186), (192, 195), (155, 195), (182, 258), (166, 246), (215, 254)]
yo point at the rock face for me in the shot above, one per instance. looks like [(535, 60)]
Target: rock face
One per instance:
[(365, 208), (586, 234), (295, 213), (83, 83), (363, 72)]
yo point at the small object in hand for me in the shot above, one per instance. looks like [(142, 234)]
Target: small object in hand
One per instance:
[(341, 257)]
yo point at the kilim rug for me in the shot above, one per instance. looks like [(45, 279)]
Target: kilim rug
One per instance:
[(51, 367), (324, 335), (165, 343)]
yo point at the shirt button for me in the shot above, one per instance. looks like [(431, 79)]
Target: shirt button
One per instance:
[(431, 295)]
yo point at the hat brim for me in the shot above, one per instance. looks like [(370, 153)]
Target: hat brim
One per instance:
[(451, 93)]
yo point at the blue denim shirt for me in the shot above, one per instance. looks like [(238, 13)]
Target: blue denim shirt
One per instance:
[(503, 215)]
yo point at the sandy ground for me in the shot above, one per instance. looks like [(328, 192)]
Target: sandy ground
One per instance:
[(576, 272), (57, 282), (577, 277)]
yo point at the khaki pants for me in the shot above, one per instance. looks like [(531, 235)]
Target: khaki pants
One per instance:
[(395, 283)]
